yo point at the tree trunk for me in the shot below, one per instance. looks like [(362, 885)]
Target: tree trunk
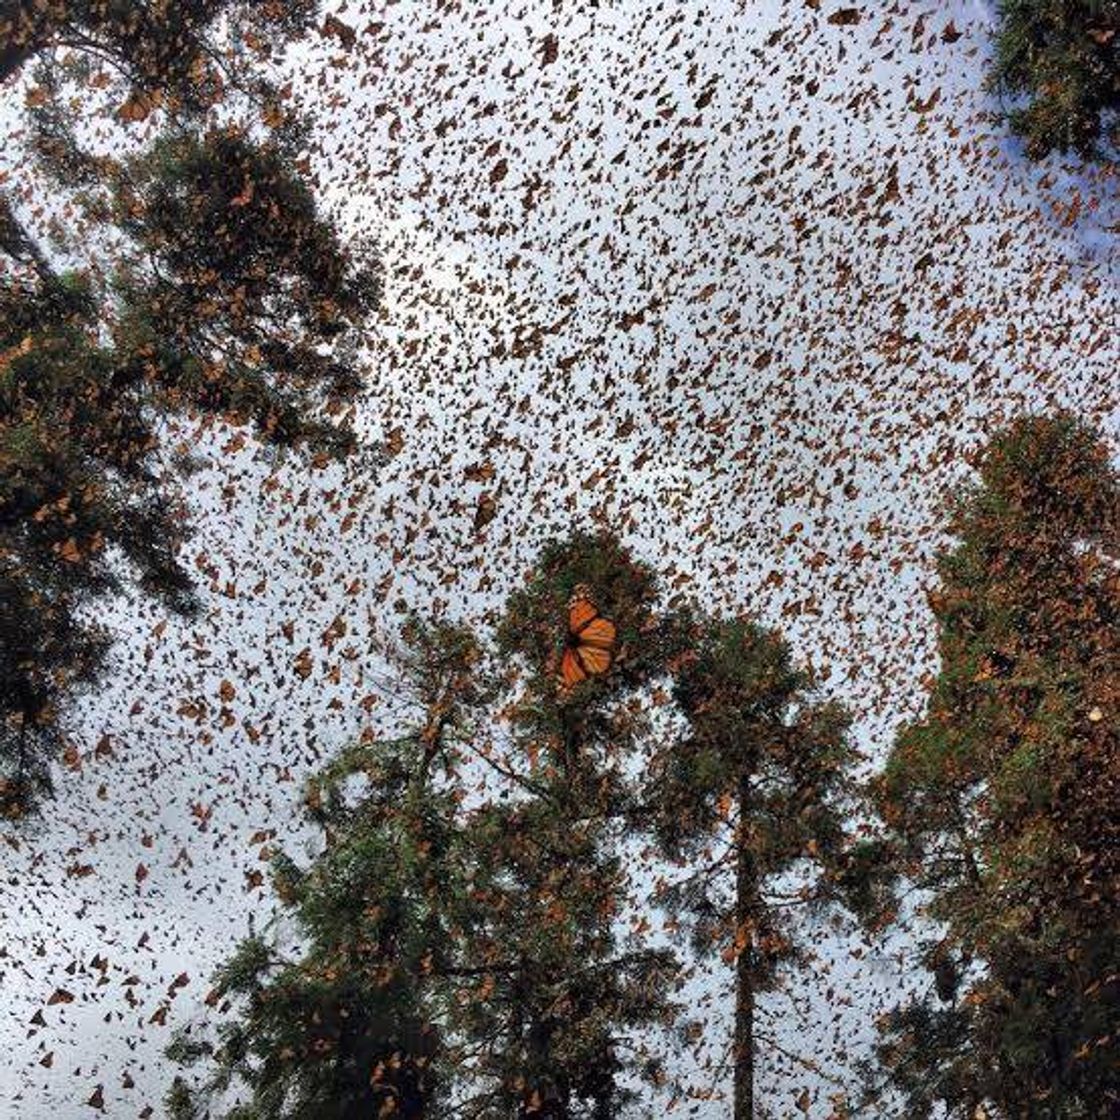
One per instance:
[(547, 1095), (746, 896)]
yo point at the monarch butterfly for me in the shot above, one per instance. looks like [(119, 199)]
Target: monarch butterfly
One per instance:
[(589, 648)]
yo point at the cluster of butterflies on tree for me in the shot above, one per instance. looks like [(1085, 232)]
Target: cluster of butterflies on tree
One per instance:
[(465, 929)]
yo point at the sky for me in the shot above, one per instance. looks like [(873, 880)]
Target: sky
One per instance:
[(742, 283)]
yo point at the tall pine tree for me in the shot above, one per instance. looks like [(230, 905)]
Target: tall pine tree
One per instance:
[(561, 1019), (1005, 794), (759, 777), (214, 287), (461, 946), (350, 1024)]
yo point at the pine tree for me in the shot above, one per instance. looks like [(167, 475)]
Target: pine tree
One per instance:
[(564, 992), (214, 287), (760, 775), (1061, 57), (350, 1026), (1004, 794), (460, 930)]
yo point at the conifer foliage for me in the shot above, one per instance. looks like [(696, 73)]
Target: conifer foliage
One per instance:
[(161, 49), (212, 286), (1061, 58), (465, 945), (762, 777), (571, 993), (351, 1025), (1004, 796)]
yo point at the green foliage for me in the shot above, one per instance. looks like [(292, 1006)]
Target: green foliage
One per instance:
[(1060, 57), (347, 1029), (752, 717), (763, 772), (163, 49), (560, 991), (533, 627), (232, 259), (758, 785), (80, 503), (241, 974), (467, 950), (1002, 796), (547, 1014), (178, 1101), (228, 296)]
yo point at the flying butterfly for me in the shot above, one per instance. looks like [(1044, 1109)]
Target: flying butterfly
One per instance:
[(589, 648)]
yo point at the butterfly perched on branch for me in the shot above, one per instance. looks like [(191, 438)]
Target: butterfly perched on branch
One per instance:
[(589, 646)]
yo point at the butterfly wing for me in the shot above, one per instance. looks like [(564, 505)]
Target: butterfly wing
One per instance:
[(593, 660), (599, 633), (593, 637), (581, 613), (571, 669)]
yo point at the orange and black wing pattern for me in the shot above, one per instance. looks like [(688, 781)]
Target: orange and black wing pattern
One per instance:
[(589, 649)]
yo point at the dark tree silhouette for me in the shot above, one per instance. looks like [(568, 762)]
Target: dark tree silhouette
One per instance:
[(1004, 794), (214, 288)]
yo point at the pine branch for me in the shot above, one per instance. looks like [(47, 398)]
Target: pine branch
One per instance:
[(18, 244)]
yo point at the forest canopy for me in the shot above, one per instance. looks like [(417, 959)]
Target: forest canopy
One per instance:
[(210, 284), (462, 923)]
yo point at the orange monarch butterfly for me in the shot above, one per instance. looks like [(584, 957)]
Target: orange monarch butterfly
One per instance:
[(589, 648)]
